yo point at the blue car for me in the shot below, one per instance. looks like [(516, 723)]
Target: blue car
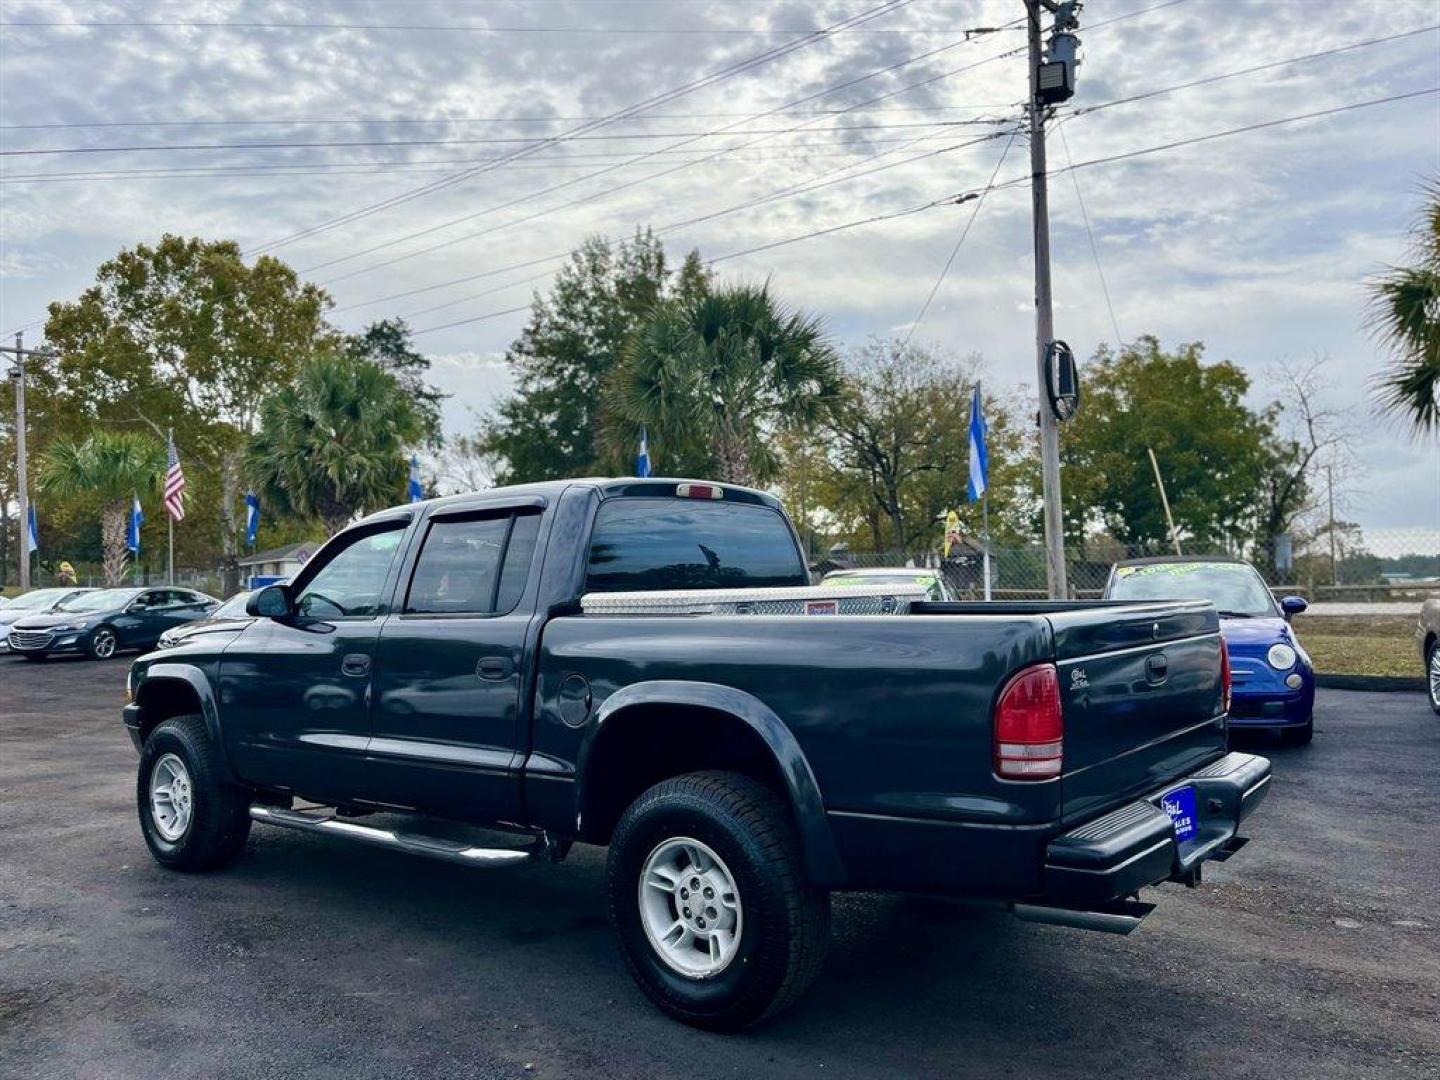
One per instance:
[(1272, 678)]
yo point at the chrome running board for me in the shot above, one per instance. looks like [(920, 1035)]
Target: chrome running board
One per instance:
[(431, 846)]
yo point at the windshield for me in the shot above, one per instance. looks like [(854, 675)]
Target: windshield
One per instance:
[(1234, 588), (232, 607), (929, 582), (103, 600), (38, 600)]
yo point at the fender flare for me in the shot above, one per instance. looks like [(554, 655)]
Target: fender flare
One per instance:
[(822, 857), (195, 679)]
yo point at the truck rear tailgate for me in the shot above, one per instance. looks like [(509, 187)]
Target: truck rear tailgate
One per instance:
[(1142, 699)]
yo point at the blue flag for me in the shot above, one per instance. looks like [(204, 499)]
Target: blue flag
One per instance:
[(417, 491), (32, 542), (137, 518), (642, 459), (252, 517), (979, 454)]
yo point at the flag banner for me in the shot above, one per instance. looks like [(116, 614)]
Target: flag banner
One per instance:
[(252, 517), (417, 490), (174, 483), (137, 518), (979, 453), (32, 541), (642, 459)]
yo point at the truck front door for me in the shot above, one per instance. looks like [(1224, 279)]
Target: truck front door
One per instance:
[(449, 725), (295, 691)]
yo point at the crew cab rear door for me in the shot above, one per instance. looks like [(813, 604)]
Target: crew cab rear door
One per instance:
[(1141, 695), (449, 729)]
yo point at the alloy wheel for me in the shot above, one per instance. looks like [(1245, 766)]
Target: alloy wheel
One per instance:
[(690, 908), (172, 797)]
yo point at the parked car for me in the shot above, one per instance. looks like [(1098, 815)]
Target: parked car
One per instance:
[(34, 602), (495, 659), (1427, 636), (1272, 676), (102, 622), (229, 617), (929, 580)]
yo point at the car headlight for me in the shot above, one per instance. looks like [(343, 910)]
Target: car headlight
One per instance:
[(1281, 656), (69, 627)]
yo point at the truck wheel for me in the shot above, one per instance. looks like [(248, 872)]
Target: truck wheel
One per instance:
[(191, 817), (709, 900)]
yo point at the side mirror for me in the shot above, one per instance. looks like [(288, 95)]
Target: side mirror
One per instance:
[(271, 602), (1293, 605)]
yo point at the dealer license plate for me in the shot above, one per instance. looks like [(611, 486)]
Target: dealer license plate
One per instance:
[(1180, 805)]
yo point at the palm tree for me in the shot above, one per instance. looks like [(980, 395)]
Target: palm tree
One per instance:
[(726, 369), (1405, 314), (114, 467), (332, 444)]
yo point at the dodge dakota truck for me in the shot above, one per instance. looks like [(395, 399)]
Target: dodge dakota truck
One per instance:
[(451, 663)]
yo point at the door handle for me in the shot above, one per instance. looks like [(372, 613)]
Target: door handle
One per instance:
[(355, 663), (494, 667)]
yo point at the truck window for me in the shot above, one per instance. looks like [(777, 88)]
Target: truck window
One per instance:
[(352, 579), (461, 560), (641, 544), (457, 567)]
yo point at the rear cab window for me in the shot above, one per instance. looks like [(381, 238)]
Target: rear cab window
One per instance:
[(642, 543), (474, 564)]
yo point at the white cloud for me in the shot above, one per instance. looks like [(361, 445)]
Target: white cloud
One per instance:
[(1256, 244)]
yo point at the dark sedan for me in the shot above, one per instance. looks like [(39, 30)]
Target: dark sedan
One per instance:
[(100, 624)]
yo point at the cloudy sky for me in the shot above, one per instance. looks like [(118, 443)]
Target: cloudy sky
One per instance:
[(421, 174)]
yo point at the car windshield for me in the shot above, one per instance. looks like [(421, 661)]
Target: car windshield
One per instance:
[(231, 608), (38, 600), (1234, 588), (102, 600)]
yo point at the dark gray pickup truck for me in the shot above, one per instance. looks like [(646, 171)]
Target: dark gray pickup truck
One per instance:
[(445, 661)]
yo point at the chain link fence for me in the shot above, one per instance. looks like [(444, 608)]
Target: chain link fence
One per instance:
[(1393, 566)]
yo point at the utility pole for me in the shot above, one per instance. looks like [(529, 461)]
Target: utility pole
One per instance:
[(1334, 563), (22, 462), (1044, 318)]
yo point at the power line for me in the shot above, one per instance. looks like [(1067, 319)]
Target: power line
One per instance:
[(485, 140), (750, 204), (442, 120), (974, 213), (613, 189), (639, 107), (967, 196), (1094, 248), (688, 31)]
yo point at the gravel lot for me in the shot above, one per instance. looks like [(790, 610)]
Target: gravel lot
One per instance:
[(1314, 953)]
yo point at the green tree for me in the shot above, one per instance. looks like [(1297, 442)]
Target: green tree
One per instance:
[(1405, 315), (1215, 453), (388, 344), (183, 334), (899, 443), (333, 444), (110, 468), (730, 369), (551, 427)]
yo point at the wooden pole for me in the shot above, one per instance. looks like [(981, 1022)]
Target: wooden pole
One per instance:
[(1164, 501)]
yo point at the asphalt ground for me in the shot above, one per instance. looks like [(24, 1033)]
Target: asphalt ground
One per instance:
[(1315, 952)]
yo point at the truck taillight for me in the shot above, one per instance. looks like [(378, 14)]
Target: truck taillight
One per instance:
[(1224, 676), (1029, 728)]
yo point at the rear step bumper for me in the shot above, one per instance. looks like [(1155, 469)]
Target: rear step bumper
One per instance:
[(1112, 857), (430, 846)]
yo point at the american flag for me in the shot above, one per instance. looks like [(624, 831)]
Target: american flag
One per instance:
[(174, 484)]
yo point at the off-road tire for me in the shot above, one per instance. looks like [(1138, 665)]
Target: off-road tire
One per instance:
[(786, 921), (220, 816)]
